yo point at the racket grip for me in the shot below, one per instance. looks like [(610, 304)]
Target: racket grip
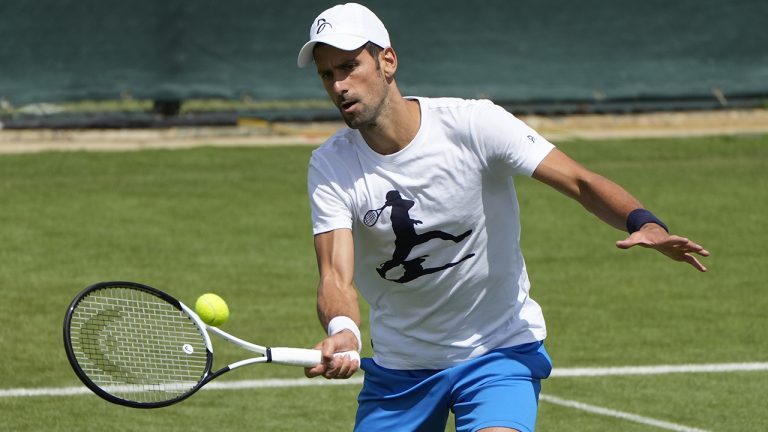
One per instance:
[(303, 357)]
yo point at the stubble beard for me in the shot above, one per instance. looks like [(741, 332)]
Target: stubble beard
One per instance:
[(367, 115)]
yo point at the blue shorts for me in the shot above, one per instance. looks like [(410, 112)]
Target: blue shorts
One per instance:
[(500, 388)]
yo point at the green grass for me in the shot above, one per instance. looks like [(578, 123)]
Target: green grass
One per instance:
[(236, 221)]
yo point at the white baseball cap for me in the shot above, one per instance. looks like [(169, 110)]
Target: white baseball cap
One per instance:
[(346, 27)]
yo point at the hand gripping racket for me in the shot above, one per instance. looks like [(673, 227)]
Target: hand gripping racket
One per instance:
[(137, 346)]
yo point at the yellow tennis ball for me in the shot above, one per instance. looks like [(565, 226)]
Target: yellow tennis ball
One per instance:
[(212, 309)]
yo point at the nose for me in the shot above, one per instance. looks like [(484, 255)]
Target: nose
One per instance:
[(340, 85)]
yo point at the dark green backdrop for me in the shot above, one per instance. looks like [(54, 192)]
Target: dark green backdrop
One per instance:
[(513, 50)]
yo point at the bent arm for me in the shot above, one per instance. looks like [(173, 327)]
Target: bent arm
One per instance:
[(602, 197), (612, 204)]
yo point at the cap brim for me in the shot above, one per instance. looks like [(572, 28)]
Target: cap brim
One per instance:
[(342, 42)]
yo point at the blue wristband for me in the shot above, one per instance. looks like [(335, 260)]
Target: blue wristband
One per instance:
[(639, 217)]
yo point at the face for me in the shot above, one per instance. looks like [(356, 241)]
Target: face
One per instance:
[(355, 81)]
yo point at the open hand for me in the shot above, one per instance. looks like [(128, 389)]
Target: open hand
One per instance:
[(678, 248)]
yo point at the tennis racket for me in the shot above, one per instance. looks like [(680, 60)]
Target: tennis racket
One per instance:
[(372, 216), (137, 346)]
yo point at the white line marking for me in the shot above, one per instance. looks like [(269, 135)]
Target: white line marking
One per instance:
[(221, 385), (305, 382), (44, 391), (618, 414), (659, 370)]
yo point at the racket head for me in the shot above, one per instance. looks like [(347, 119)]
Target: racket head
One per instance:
[(371, 217), (135, 345)]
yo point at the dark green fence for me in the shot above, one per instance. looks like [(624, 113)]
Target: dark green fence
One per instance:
[(514, 51)]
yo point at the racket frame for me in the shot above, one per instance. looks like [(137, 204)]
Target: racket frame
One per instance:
[(207, 375), (280, 355), (377, 212)]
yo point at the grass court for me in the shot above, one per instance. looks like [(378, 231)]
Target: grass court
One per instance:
[(235, 221)]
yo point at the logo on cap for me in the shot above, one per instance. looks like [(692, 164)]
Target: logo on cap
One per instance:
[(322, 24)]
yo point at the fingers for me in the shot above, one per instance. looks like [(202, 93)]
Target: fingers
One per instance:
[(315, 371), (339, 366), (695, 248), (690, 259), (334, 364), (682, 249), (675, 247), (679, 246)]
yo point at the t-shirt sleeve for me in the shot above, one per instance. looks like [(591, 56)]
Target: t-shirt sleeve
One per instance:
[(506, 142), (328, 202)]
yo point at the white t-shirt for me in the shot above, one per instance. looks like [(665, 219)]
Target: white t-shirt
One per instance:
[(441, 267)]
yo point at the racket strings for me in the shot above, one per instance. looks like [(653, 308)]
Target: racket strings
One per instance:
[(371, 217), (137, 346)]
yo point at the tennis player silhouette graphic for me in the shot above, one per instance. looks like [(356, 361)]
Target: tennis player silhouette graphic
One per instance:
[(406, 239)]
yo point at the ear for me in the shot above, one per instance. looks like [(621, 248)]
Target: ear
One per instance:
[(388, 61)]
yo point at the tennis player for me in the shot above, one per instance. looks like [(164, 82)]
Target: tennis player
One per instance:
[(453, 326)]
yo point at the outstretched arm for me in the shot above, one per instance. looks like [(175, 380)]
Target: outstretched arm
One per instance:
[(612, 204), (336, 297)]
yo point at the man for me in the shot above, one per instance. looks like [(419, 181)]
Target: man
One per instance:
[(452, 324)]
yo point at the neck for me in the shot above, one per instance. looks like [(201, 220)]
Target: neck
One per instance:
[(396, 128)]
